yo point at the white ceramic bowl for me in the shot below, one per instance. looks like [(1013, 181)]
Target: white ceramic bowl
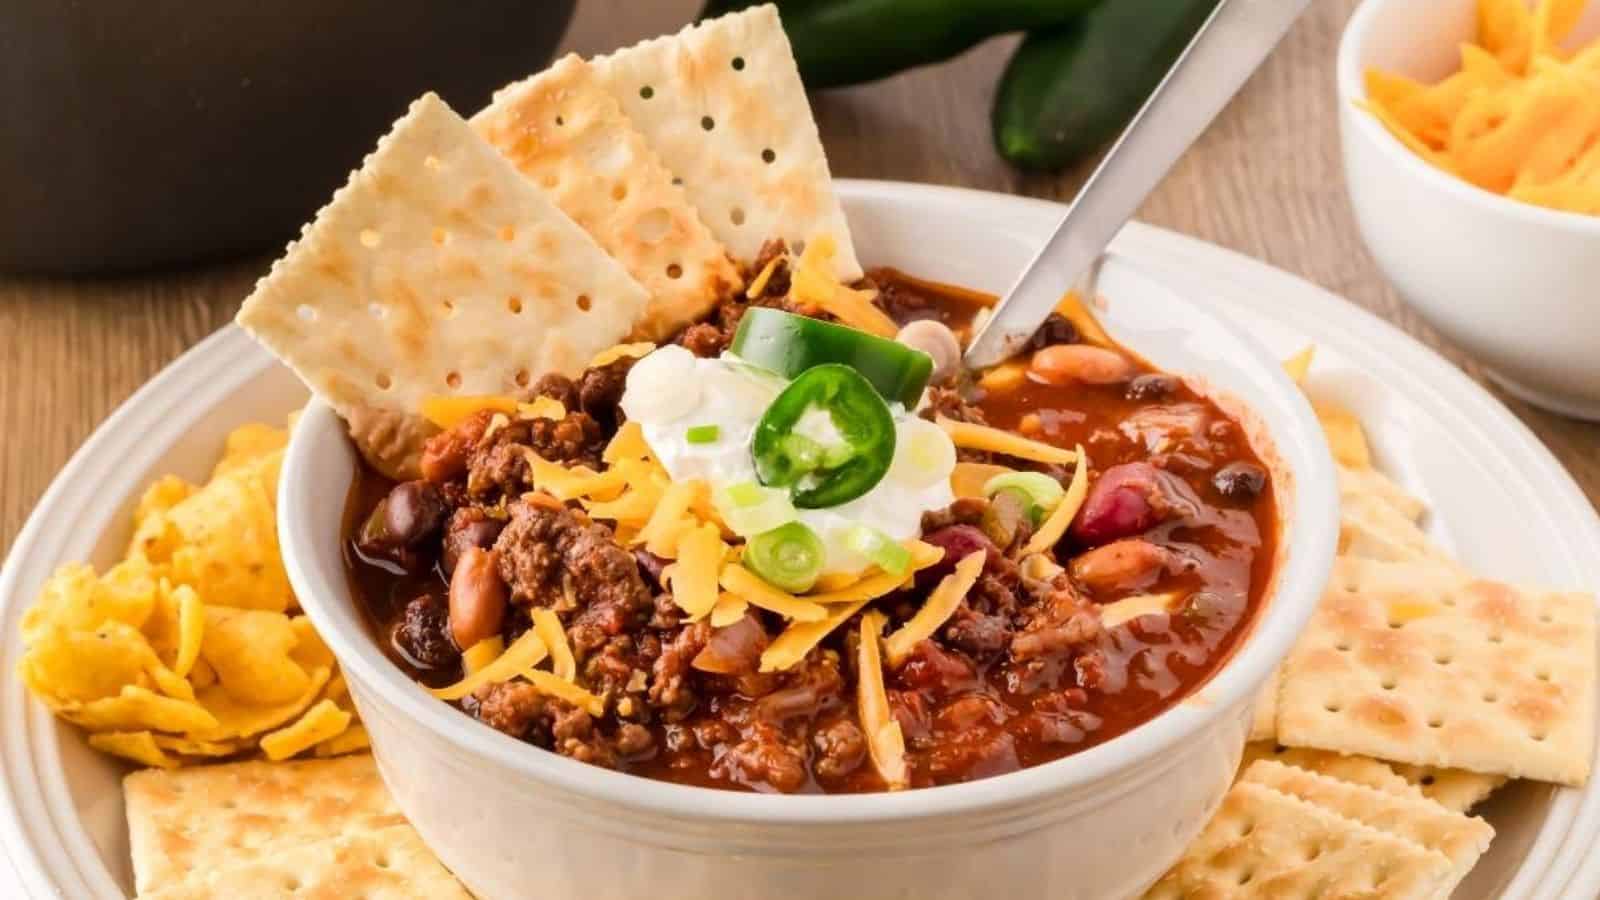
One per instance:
[(510, 819), (1515, 285)]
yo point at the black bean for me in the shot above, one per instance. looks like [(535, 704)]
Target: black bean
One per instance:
[(413, 513), (1055, 330), (1152, 386), (1240, 480), (422, 634)]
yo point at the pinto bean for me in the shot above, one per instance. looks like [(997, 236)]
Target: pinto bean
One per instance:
[(477, 597), (1131, 564), (1081, 364), (444, 456)]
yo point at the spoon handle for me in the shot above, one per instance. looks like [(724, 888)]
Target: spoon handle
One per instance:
[(1224, 52)]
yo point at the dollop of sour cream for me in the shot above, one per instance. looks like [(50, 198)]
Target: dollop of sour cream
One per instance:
[(671, 391)]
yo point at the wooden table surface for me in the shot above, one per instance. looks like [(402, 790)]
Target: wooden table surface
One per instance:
[(1265, 180)]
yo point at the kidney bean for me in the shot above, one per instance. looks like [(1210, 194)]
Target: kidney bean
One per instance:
[(957, 542), (413, 513), (1081, 364), (477, 597), (1055, 330), (1118, 505), (1152, 386), (1131, 564)]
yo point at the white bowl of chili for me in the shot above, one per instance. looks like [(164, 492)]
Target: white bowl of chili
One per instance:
[(1104, 822)]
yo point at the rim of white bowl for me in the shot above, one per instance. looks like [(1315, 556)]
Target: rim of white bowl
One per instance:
[(1351, 88), (1303, 570)]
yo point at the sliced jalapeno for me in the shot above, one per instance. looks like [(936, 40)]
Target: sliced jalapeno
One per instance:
[(828, 438), (789, 345)]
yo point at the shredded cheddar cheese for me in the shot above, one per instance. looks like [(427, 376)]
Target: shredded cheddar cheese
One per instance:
[(730, 608), (1347, 440), (759, 285), (523, 654), (1055, 525), (1074, 310), (968, 478), (1519, 117), (554, 636), (937, 609), (1114, 614), (564, 483), (548, 683), (923, 555), (482, 653), (613, 353), (885, 743), (1298, 366), (741, 581), (447, 412), (670, 520), (812, 284), (542, 408), (996, 440), (628, 443), (790, 647), (694, 575)]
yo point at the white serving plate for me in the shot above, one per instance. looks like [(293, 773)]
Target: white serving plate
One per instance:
[(1498, 498)]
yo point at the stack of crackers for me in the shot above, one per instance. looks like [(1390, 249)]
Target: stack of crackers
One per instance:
[(598, 201), (1416, 691), (318, 828)]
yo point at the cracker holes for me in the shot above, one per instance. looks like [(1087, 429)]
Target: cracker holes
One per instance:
[(549, 181), (1449, 601), (560, 121), (440, 237), (382, 861), (1246, 828), (432, 163), (1343, 647), (1427, 780), (452, 380), (1496, 637), (1245, 876), (521, 378), (449, 308), (619, 192), (584, 302), (1546, 618), (370, 238), (646, 92), (514, 304), (1435, 722), (291, 883), (305, 313), (707, 123), (1491, 696), (383, 381), (1542, 674), (799, 247), (1443, 659), (736, 215), (229, 804), (677, 182), (1388, 684), (769, 156), (1395, 624), (674, 271), (738, 64), (1538, 736), (1332, 706), (1311, 853), (378, 311)]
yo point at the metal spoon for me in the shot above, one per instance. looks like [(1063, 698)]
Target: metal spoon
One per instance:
[(1228, 47)]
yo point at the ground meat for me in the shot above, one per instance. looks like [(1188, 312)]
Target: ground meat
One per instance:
[(778, 282), (840, 749), (545, 549), (948, 402), (517, 708), (1059, 622), (671, 678), (577, 438), (704, 339), (981, 636), (445, 456), (557, 387), (422, 634), (765, 758), (901, 303), (599, 392), (964, 511)]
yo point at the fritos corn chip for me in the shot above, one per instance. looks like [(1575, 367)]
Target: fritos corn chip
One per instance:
[(186, 649), (1521, 117)]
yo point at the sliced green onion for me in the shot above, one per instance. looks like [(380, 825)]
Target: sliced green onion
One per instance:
[(788, 557), (882, 550), (703, 434), (1040, 489), (750, 509)]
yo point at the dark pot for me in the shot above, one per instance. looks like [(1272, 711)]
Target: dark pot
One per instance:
[(139, 134)]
